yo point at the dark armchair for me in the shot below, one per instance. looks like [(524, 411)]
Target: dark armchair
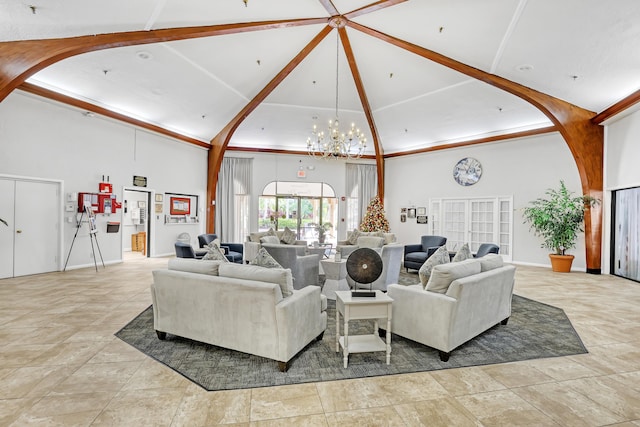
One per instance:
[(416, 255), (486, 248), (184, 250), (233, 251)]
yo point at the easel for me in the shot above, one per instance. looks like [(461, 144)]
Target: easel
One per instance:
[(93, 231)]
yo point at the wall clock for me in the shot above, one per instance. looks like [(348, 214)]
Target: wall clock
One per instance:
[(467, 171)]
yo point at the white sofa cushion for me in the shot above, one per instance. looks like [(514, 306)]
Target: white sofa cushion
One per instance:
[(370, 242), (440, 256), (442, 275), (389, 238), (463, 253), (279, 276), (270, 239), (490, 262), (193, 265)]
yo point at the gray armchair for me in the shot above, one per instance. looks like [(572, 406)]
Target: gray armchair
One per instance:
[(416, 255), (304, 268), (391, 261)]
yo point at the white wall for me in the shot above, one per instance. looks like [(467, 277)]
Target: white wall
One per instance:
[(622, 152), (523, 168), (44, 139)]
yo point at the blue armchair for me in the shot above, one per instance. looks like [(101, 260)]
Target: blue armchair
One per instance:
[(416, 255), (233, 251), (486, 248)]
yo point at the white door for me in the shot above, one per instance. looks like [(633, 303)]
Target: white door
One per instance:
[(7, 194), (30, 243)]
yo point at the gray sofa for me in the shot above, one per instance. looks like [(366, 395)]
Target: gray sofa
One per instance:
[(239, 307), (252, 244), (461, 300), (304, 268)]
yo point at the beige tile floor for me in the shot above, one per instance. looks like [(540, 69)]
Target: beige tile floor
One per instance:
[(60, 364)]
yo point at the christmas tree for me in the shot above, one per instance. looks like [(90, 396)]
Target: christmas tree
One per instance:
[(375, 219)]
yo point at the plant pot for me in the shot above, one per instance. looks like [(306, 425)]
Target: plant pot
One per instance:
[(561, 263)]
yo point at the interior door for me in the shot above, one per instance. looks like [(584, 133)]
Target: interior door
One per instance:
[(7, 195), (626, 232), (37, 217)]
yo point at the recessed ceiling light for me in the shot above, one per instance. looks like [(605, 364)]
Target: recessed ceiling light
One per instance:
[(144, 55), (524, 67)]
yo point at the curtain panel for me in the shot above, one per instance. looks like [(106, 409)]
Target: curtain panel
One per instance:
[(362, 178), (234, 179)]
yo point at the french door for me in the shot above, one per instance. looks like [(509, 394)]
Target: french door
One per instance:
[(625, 259), (473, 221)]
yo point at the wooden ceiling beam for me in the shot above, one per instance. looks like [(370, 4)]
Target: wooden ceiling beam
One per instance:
[(584, 138), (221, 140), (373, 7), (357, 78), (20, 59), (617, 108), (329, 7)]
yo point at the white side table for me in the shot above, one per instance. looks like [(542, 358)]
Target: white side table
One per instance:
[(335, 273), (357, 308)]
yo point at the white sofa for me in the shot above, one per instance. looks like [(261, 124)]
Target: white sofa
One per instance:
[(465, 299), (345, 247), (222, 304), (252, 245)]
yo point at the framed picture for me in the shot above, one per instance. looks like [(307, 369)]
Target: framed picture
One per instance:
[(403, 210), (158, 208), (421, 211), (403, 217), (179, 206), (422, 219), (411, 212), (142, 204), (159, 198)]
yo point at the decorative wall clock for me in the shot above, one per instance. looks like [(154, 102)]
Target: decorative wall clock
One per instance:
[(467, 171)]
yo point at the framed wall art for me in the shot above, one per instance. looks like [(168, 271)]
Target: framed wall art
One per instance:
[(421, 211), (411, 212), (422, 219), (179, 206)]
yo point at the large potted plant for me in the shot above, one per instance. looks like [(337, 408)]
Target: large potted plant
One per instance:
[(558, 219)]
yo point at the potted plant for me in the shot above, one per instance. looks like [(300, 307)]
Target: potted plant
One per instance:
[(558, 219), (322, 229)]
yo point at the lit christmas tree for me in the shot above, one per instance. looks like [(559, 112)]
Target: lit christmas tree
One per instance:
[(375, 219)]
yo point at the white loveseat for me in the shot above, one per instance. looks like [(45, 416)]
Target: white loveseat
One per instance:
[(252, 244), (465, 299), (239, 307)]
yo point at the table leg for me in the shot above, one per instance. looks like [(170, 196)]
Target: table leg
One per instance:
[(337, 330), (388, 340), (346, 342)]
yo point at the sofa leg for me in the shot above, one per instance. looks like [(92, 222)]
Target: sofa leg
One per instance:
[(283, 366), (504, 322), (319, 337), (444, 356), (161, 335)]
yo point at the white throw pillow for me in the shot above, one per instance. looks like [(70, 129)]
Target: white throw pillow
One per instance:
[(270, 239), (440, 256), (288, 236), (490, 262), (463, 253), (264, 259), (442, 275), (389, 238), (279, 276), (370, 242), (214, 253), (352, 238)]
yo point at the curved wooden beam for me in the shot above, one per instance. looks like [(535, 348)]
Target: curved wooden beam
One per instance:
[(616, 108), (219, 142), (584, 138), (19, 60), (346, 45)]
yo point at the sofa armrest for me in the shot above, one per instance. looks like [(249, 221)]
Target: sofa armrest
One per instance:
[(300, 319), (251, 250), (431, 250), (234, 247), (412, 248)]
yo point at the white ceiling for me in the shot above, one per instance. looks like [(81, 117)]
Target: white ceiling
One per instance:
[(586, 52)]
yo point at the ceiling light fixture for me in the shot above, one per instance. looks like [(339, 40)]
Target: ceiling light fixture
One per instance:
[(336, 143)]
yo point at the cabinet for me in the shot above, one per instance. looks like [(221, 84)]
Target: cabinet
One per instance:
[(139, 242)]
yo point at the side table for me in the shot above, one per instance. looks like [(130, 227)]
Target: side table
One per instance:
[(358, 308), (335, 273)]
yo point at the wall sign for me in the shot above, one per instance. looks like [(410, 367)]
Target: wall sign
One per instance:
[(139, 181)]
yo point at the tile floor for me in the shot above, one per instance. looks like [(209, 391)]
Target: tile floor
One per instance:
[(60, 364)]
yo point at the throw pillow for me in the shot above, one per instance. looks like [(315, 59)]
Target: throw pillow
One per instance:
[(370, 242), (440, 256), (214, 253), (255, 237), (288, 236), (463, 253), (264, 259), (279, 276), (389, 238), (271, 232), (490, 262), (352, 238), (443, 275), (270, 239)]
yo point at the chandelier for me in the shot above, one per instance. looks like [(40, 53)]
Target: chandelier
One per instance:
[(334, 142)]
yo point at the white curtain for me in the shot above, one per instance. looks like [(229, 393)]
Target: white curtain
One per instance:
[(363, 179), (234, 185)]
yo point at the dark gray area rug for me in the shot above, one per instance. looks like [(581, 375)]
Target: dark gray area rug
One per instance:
[(535, 330)]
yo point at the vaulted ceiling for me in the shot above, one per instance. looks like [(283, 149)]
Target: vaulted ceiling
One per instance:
[(585, 52)]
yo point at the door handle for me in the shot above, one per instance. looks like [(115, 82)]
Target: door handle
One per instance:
[(18, 231)]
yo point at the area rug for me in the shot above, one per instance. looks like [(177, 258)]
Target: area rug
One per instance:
[(535, 330)]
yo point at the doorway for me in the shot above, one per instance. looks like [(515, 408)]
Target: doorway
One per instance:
[(30, 231), (625, 258), (135, 227)]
